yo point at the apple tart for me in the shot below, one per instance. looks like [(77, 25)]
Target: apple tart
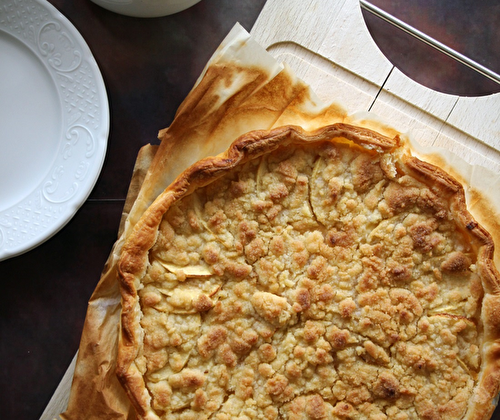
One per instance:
[(310, 275)]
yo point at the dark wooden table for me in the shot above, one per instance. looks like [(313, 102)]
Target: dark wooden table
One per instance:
[(149, 66)]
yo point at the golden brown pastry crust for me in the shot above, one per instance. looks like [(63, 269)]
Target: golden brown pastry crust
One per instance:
[(404, 176), (101, 396)]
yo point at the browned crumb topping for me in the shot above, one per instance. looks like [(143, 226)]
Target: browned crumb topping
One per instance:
[(312, 283)]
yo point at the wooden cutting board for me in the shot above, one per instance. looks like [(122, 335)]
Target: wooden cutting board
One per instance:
[(328, 45)]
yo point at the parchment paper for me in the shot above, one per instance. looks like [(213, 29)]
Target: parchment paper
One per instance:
[(242, 88)]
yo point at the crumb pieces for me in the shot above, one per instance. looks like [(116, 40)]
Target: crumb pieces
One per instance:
[(349, 301)]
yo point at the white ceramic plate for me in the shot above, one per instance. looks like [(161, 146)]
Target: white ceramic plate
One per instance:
[(54, 123)]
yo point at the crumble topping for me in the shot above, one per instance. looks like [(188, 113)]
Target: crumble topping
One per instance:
[(314, 282)]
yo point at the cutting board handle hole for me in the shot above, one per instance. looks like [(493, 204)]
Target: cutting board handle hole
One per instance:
[(422, 60)]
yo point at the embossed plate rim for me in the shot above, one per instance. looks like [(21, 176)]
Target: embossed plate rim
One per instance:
[(85, 123)]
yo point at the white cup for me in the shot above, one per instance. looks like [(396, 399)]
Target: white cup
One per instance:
[(145, 8)]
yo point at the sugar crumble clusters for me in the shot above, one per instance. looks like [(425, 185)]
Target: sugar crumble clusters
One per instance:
[(317, 282)]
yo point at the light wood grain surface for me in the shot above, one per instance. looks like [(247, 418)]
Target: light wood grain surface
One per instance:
[(329, 46)]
